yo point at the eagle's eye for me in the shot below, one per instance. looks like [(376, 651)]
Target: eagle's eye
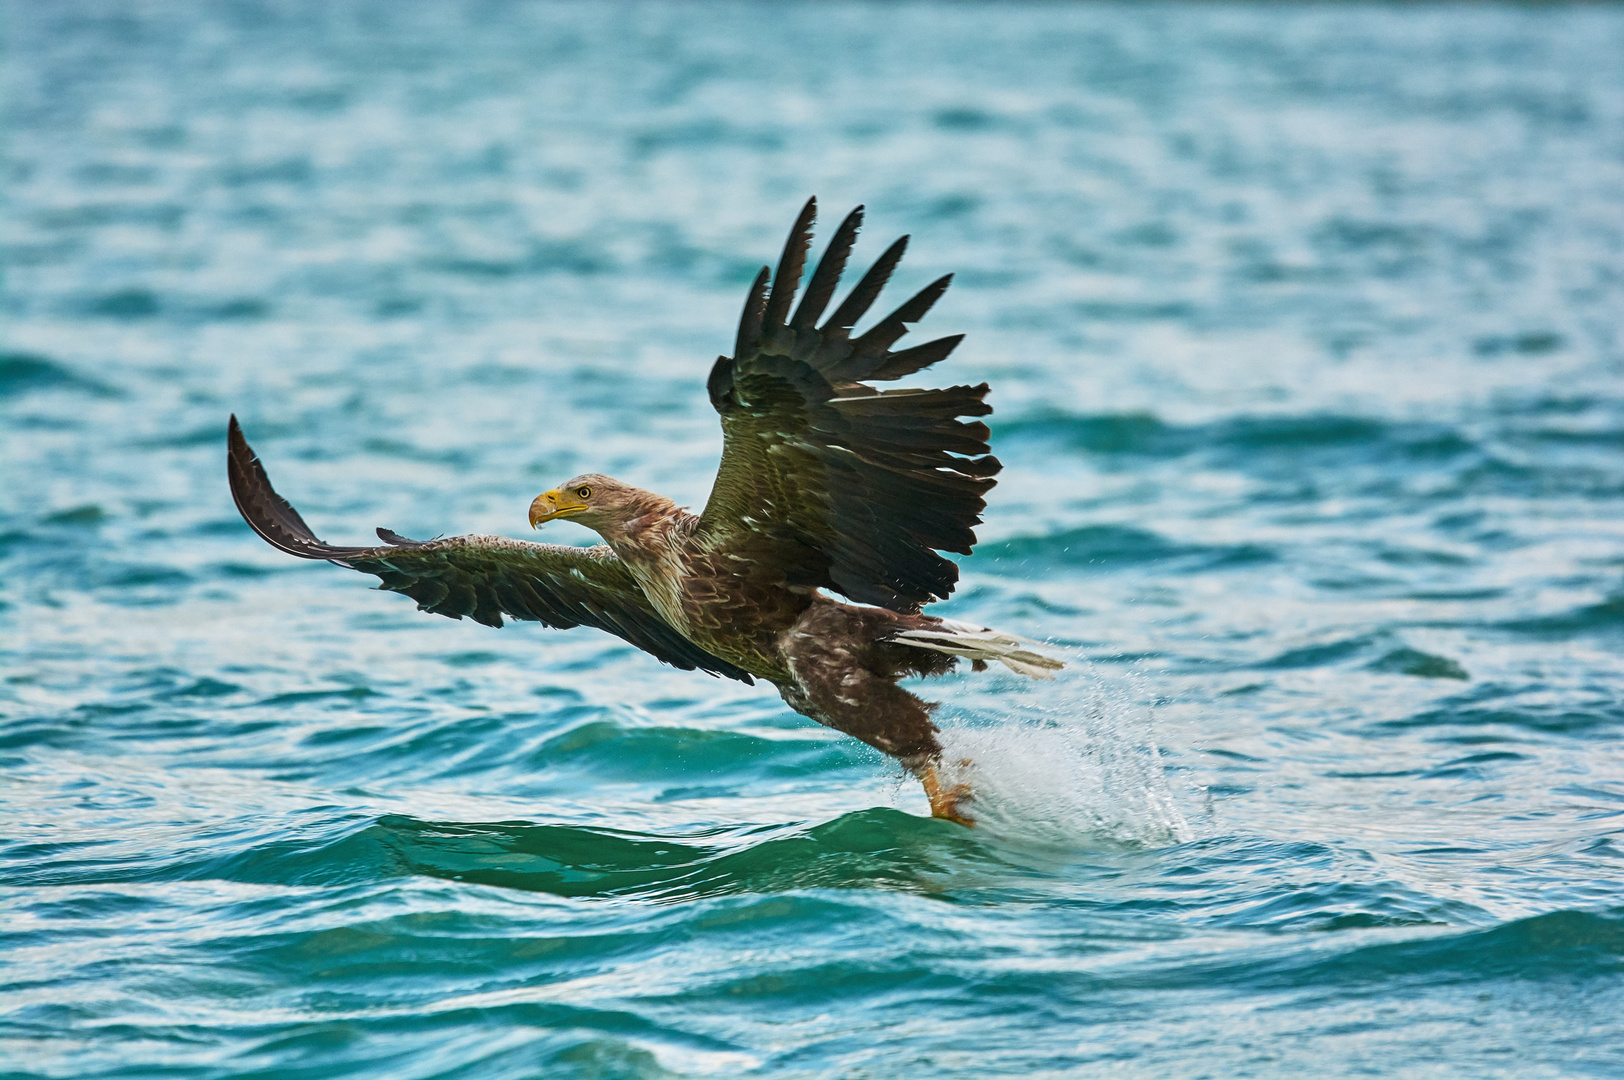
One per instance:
[(583, 493)]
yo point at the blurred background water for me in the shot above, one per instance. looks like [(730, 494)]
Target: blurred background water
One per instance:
[(1303, 326)]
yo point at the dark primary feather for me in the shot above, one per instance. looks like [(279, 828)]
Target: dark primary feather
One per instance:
[(856, 304), (481, 577), (826, 277), (825, 481), (790, 265)]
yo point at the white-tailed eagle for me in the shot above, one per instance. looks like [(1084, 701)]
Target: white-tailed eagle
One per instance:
[(826, 485)]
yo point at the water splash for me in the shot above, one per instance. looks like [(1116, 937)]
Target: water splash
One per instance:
[(1075, 769)]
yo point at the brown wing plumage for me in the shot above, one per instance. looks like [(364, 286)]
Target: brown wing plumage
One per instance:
[(825, 481), (481, 577)]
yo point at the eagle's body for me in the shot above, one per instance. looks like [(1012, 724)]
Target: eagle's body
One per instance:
[(825, 484), (832, 661)]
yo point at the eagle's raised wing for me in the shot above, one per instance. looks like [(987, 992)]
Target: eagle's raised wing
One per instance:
[(825, 481), (482, 577)]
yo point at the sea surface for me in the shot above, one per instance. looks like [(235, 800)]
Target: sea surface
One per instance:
[(1305, 331)]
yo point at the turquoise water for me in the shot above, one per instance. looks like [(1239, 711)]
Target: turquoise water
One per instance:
[(1304, 331)]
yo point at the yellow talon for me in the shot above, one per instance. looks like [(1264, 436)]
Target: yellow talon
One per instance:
[(945, 803)]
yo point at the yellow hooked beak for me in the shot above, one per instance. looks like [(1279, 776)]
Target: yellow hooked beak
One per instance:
[(554, 504)]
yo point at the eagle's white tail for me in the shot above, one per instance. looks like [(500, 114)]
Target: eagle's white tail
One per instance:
[(983, 643)]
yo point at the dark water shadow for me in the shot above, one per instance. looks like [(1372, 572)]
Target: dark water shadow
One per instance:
[(871, 849)]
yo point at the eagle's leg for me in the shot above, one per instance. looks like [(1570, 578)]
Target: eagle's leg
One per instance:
[(944, 802), (832, 656)]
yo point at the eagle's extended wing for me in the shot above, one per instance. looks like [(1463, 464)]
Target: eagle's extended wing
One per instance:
[(482, 577), (825, 481)]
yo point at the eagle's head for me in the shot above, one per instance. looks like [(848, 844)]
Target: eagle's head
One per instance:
[(601, 503)]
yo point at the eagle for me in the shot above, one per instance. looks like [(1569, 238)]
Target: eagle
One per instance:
[(826, 485)]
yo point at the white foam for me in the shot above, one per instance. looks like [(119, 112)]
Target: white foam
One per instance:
[(1071, 765)]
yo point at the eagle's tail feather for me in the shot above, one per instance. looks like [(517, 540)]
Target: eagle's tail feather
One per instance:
[(981, 643)]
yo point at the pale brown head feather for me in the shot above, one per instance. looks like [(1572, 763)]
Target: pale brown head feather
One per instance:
[(613, 510)]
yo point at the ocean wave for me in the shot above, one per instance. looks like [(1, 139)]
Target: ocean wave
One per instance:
[(872, 849)]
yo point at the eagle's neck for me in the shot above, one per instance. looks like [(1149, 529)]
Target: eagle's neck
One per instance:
[(644, 523), (652, 541)]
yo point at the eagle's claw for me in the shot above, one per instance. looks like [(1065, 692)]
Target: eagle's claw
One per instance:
[(945, 802)]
